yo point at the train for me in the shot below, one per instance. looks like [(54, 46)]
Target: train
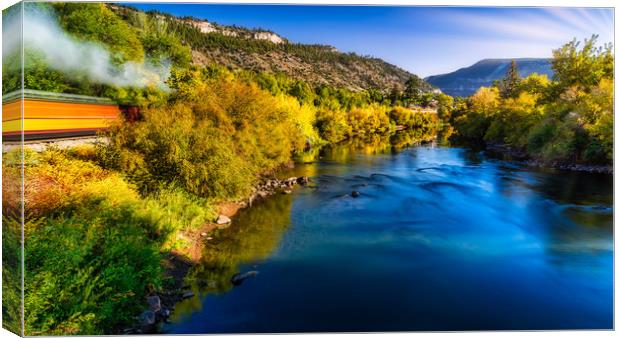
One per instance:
[(48, 115)]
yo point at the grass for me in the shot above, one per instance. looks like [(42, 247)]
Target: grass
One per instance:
[(94, 245)]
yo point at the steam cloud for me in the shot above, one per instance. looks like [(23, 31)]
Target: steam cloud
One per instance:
[(76, 57)]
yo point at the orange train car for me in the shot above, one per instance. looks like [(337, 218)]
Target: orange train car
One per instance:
[(54, 115)]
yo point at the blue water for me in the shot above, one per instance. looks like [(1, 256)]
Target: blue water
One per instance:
[(439, 239)]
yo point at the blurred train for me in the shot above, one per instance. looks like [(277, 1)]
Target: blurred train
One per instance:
[(49, 115)]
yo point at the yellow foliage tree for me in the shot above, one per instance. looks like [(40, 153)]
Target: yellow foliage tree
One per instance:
[(485, 100)]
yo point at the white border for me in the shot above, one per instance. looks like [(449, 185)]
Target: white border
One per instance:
[(506, 3)]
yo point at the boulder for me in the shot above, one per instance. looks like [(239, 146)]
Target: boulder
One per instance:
[(222, 219), (238, 278), (303, 180), (187, 294)]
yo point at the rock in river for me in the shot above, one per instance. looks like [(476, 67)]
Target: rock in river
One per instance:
[(355, 193), (237, 279), (222, 219)]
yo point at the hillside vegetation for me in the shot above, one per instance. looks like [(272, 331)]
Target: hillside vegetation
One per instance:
[(237, 47)]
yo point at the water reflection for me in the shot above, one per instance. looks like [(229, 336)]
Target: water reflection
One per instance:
[(252, 237), (439, 239)]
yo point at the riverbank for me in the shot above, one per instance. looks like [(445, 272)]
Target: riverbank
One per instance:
[(510, 153), (87, 218), (160, 305), (182, 260)]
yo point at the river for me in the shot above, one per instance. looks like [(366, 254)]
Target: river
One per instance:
[(440, 238)]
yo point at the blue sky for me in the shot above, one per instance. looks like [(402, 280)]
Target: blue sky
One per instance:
[(423, 40)]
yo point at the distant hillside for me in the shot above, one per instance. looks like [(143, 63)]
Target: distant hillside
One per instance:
[(265, 51), (466, 81)]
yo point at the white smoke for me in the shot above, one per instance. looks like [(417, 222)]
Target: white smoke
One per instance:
[(76, 57)]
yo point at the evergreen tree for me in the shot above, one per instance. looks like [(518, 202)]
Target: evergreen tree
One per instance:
[(509, 84), (412, 89)]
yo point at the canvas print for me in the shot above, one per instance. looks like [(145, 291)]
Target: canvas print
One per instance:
[(174, 168)]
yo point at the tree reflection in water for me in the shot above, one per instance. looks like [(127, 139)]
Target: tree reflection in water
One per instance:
[(253, 235)]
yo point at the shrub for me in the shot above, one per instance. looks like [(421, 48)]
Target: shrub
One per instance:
[(213, 139), (368, 120), (332, 125), (401, 116)]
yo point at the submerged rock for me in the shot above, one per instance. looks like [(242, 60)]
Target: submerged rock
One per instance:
[(355, 193), (147, 319), (237, 279)]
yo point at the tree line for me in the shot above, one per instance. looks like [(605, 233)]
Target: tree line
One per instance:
[(568, 118)]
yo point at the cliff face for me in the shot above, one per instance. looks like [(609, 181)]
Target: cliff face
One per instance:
[(207, 27), (466, 81)]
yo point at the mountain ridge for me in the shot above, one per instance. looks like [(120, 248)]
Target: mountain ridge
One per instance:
[(466, 80)]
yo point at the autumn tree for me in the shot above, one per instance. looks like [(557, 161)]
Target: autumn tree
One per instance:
[(485, 100), (582, 65)]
